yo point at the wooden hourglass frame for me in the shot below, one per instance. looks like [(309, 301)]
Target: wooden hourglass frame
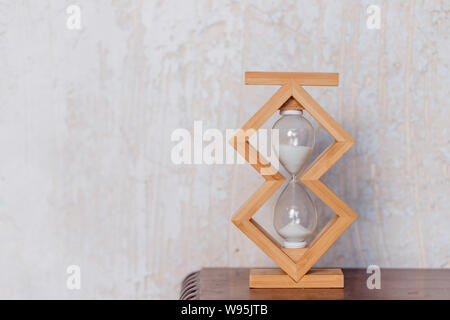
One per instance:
[(295, 263)]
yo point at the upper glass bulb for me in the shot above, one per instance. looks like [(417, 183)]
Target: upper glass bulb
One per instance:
[(296, 140)]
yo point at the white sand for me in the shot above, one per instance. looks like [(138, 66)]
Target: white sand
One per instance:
[(294, 158), (294, 231)]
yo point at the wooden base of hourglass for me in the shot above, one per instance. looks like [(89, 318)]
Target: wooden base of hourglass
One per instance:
[(296, 263), (314, 278)]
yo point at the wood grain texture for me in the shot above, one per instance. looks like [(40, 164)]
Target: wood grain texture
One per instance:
[(291, 104), (87, 117), (294, 253), (314, 278), (301, 78)]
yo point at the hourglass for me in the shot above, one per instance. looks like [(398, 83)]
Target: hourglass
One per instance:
[(295, 216)]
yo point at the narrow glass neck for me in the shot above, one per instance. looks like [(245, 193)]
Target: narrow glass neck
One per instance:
[(291, 112)]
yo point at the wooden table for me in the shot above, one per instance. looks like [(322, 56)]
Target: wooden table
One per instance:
[(232, 284)]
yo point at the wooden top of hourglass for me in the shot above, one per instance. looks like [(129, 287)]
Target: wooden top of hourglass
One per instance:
[(291, 104)]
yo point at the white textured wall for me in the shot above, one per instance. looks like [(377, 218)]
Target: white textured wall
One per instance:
[(86, 118)]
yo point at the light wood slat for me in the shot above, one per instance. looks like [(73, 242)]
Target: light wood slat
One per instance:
[(324, 229), (264, 231), (315, 278), (322, 244), (301, 78), (256, 160), (295, 253), (325, 160), (268, 247), (320, 115), (256, 201), (267, 110), (330, 199)]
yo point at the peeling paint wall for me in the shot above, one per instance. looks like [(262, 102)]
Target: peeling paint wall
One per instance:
[(86, 118)]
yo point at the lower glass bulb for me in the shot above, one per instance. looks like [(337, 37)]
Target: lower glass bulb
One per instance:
[(295, 216)]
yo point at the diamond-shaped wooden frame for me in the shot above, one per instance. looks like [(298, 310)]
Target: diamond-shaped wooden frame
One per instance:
[(294, 262)]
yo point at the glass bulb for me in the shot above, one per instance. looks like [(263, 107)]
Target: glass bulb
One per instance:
[(295, 216), (296, 140)]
